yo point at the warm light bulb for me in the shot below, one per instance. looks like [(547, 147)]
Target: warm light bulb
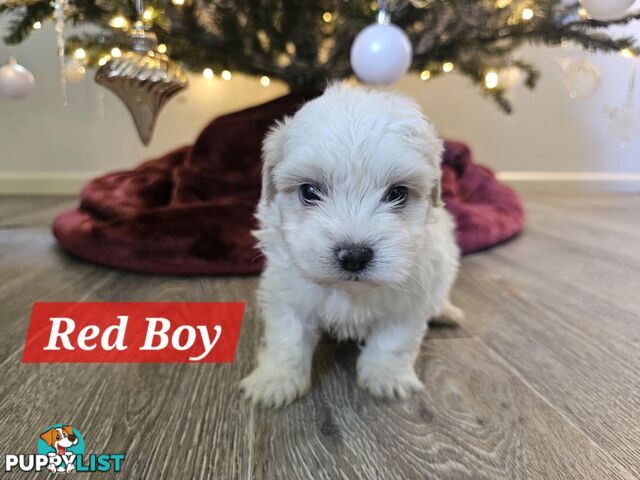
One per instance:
[(265, 81), (103, 60), (37, 25), (207, 73), (162, 48), (447, 67), (491, 79), (119, 22), (627, 53), (373, 5), (502, 3), (425, 75), (583, 13), (79, 54), (148, 14), (327, 17), (527, 14), (177, 2), (116, 52), (226, 75)]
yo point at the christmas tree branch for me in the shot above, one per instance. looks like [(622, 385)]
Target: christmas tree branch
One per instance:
[(297, 43)]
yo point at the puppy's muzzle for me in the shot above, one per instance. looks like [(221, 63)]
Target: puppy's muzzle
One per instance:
[(354, 258)]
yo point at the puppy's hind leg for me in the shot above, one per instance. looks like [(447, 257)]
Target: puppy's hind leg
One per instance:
[(284, 362), (450, 316)]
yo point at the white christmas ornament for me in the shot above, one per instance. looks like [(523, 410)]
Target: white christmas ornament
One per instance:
[(581, 79), (15, 80), (606, 9), (74, 72), (381, 54), (509, 77), (624, 122)]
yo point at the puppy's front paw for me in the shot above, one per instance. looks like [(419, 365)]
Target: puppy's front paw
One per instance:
[(274, 385), (382, 381)]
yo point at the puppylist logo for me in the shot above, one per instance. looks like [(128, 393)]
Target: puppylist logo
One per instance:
[(61, 448)]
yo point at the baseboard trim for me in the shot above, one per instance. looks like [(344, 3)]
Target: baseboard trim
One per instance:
[(603, 181), (70, 183), (43, 183)]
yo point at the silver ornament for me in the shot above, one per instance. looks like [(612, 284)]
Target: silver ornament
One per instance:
[(15, 80), (144, 80)]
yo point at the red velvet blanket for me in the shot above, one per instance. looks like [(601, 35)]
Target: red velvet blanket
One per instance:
[(191, 211)]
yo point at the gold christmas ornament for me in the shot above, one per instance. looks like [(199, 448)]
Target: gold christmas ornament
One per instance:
[(144, 80)]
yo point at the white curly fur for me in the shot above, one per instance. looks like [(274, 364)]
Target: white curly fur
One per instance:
[(356, 144)]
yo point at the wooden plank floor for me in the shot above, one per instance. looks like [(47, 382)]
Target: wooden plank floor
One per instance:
[(541, 380)]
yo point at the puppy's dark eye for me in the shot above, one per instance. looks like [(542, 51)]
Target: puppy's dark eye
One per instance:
[(310, 194), (397, 196)]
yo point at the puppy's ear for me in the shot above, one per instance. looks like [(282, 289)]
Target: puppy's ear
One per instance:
[(436, 146), (272, 153), (68, 429), (49, 437), (436, 194)]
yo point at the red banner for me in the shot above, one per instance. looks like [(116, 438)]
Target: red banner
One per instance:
[(133, 332)]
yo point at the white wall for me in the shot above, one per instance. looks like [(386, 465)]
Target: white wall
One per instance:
[(47, 147)]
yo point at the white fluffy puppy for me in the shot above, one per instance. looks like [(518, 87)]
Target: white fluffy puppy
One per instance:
[(356, 241)]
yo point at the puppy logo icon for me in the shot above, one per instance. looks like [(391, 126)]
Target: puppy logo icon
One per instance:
[(61, 448), (62, 444)]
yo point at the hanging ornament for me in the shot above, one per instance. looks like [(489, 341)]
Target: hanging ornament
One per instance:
[(581, 78), (624, 120), (381, 53), (15, 80), (59, 7), (74, 71), (606, 9), (509, 77), (144, 79)]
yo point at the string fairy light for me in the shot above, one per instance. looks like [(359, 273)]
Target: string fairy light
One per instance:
[(327, 17), (119, 21), (627, 53), (116, 52), (148, 14), (226, 75), (425, 75), (265, 81), (527, 14), (208, 74), (491, 79), (447, 67), (162, 48), (80, 54), (37, 25), (178, 3)]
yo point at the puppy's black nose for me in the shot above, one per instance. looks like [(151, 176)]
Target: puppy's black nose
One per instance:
[(72, 438), (354, 258)]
